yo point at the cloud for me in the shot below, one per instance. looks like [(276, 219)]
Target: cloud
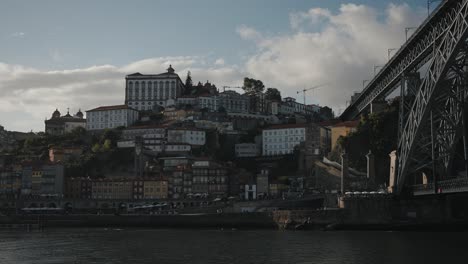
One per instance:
[(341, 52), (29, 95), (219, 61), (248, 33), (18, 34)]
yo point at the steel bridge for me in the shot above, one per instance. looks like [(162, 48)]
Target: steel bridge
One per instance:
[(430, 70)]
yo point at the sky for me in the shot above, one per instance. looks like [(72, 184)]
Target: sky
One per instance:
[(75, 54)]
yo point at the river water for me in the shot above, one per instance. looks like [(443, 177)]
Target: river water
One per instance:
[(230, 246)]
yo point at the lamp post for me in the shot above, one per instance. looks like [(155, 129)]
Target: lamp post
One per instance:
[(376, 67), (389, 52), (429, 2), (406, 31), (364, 83)]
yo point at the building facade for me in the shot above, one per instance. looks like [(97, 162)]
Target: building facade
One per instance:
[(108, 117), (191, 136), (145, 91), (341, 130), (59, 125), (281, 139), (246, 150)]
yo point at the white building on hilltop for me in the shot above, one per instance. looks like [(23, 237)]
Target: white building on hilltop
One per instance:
[(110, 117), (192, 136), (281, 139), (144, 91)]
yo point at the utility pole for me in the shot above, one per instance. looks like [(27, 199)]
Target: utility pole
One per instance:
[(309, 89)]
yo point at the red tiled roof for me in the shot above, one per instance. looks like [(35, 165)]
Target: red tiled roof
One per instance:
[(147, 126), (186, 128), (283, 126), (329, 123), (353, 123), (111, 107)]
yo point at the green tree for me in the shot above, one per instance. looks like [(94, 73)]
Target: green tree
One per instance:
[(107, 145), (252, 86), (273, 94), (96, 148), (188, 82)]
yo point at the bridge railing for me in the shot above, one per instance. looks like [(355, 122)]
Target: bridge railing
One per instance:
[(446, 186)]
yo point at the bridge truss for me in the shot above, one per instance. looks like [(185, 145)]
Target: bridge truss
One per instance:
[(432, 108)]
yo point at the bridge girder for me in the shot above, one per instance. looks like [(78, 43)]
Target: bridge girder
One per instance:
[(436, 113), (415, 53)]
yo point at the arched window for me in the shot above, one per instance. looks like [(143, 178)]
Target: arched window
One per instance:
[(166, 90), (155, 90), (150, 90), (137, 90), (130, 90), (173, 91)]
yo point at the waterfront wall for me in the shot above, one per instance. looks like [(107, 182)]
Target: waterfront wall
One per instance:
[(246, 220)]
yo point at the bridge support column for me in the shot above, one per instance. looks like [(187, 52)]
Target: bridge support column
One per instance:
[(370, 169), (393, 171), (344, 171)]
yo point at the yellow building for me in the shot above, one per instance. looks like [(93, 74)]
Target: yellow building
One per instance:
[(112, 189), (342, 129), (155, 189)]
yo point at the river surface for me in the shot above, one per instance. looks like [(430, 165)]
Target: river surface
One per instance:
[(230, 246)]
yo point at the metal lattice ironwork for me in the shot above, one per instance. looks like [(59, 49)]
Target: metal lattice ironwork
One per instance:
[(435, 115), (416, 52)]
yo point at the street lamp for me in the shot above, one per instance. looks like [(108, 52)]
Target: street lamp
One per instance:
[(406, 31), (364, 83), (390, 51), (376, 67), (429, 2)]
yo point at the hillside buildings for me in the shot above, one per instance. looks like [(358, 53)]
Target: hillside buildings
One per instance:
[(281, 139), (111, 117), (145, 91), (59, 125)]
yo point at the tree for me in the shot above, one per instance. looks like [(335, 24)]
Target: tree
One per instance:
[(252, 86), (326, 113), (273, 94), (188, 82)]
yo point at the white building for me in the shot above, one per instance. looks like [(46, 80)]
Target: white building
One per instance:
[(144, 131), (110, 117), (210, 102), (290, 106), (192, 136), (144, 91), (245, 150), (234, 102), (59, 125), (281, 139), (170, 148)]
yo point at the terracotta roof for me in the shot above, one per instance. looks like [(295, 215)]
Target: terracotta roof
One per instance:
[(353, 123), (329, 123), (111, 107), (186, 128), (283, 126), (146, 127)]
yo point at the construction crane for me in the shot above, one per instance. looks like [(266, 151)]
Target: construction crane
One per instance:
[(309, 89), (231, 87)]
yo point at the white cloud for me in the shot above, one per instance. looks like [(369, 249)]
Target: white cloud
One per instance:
[(28, 95), (18, 34), (248, 33), (341, 52), (219, 61)]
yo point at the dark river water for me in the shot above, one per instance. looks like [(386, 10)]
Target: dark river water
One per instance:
[(230, 246)]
